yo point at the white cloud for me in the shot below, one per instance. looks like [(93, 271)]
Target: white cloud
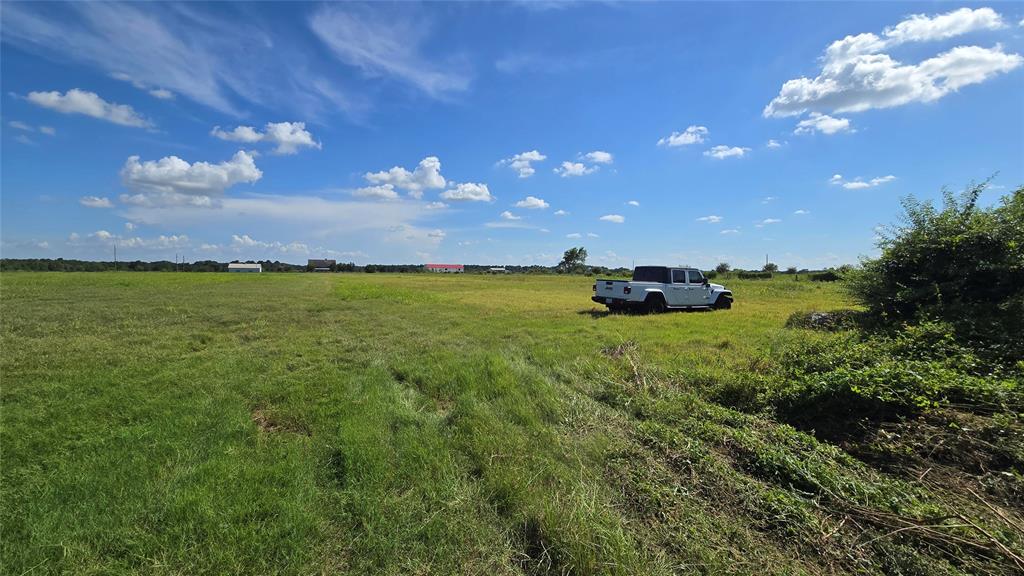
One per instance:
[(48, 130), (561, 213), (802, 212), (856, 75), (427, 175), (767, 221), (592, 235), (730, 231), (245, 243), (77, 101), (768, 199), (105, 238), (633, 203), (216, 58), (435, 205), (95, 202), (722, 152), (692, 135), (385, 45), (173, 181), (521, 163), (710, 219), (616, 218), (162, 93), (823, 123), (382, 192), (860, 184), (568, 169), (24, 140), (506, 215), (287, 136), (599, 157), (773, 144), (574, 235), (129, 226), (20, 126), (532, 203), (468, 191)]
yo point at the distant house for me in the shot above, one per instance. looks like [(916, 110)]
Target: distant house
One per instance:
[(320, 265), (446, 268), (239, 267), (497, 270)]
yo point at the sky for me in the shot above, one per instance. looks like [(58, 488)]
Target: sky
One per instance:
[(497, 133)]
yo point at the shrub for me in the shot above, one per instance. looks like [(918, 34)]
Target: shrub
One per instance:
[(962, 264), (826, 276), (754, 275)]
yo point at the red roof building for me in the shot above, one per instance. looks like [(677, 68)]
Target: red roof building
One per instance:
[(447, 268)]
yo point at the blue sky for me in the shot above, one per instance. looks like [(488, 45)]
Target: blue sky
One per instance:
[(497, 133)]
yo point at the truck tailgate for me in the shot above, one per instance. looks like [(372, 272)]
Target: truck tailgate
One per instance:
[(611, 288)]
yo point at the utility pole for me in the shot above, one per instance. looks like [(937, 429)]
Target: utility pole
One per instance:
[(115, 255)]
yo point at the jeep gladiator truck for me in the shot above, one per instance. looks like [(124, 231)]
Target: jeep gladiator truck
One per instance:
[(660, 288)]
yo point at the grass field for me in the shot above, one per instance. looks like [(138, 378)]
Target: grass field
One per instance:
[(411, 424)]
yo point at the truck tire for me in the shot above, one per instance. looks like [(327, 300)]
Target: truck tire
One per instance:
[(723, 302), (655, 304)]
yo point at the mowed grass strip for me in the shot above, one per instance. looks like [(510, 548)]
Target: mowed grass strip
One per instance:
[(364, 423)]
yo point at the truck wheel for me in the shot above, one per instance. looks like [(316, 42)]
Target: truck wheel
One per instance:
[(655, 304), (723, 303)]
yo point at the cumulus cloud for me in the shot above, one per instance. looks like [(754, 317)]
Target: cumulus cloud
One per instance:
[(288, 137), (426, 175), (712, 219), (506, 215), (856, 74), (730, 231), (633, 203), (802, 212), (77, 101), (435, 205), (823, 123), (592, 235), (773, 144), (129, 226), (104, 237), (599, 157), (522, 163), (692, 135), (468, 192), (768, 199), (244, 242), (574, 235), (381, 192), (532, 203), (859, 183), (172, 181), (767, 221), (569, 169), (95, 202), (561, 213), (722, 152), (161, 93), (615, 218)]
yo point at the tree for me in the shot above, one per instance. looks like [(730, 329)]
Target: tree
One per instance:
[(791, 270), (961, 264), (723, 267), (770, 267), (573, 260)]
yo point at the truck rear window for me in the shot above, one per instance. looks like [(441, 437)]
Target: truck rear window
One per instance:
[(650, 274)]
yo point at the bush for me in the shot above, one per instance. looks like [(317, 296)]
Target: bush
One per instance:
[(754, 275), (826, 276), (831, 382), (962, 264)]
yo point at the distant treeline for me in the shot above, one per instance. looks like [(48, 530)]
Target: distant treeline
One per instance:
[(65, 265)]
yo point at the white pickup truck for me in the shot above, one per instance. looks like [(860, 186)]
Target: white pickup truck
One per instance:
[(659, 288)]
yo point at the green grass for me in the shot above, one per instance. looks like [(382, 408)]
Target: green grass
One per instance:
[(410, 424)]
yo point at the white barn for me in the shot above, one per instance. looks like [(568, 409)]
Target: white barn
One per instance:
[(237, 267)]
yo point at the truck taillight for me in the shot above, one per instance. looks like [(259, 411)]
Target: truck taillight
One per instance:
[(627, 290)]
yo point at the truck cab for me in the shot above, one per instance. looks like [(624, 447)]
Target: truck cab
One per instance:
[(660, 288)]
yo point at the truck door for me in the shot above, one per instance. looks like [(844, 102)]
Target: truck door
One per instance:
[(697, 294), (676, 292)]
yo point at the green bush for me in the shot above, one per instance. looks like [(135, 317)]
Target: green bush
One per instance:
[(962, 264), (855, 376), (754, 275)]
